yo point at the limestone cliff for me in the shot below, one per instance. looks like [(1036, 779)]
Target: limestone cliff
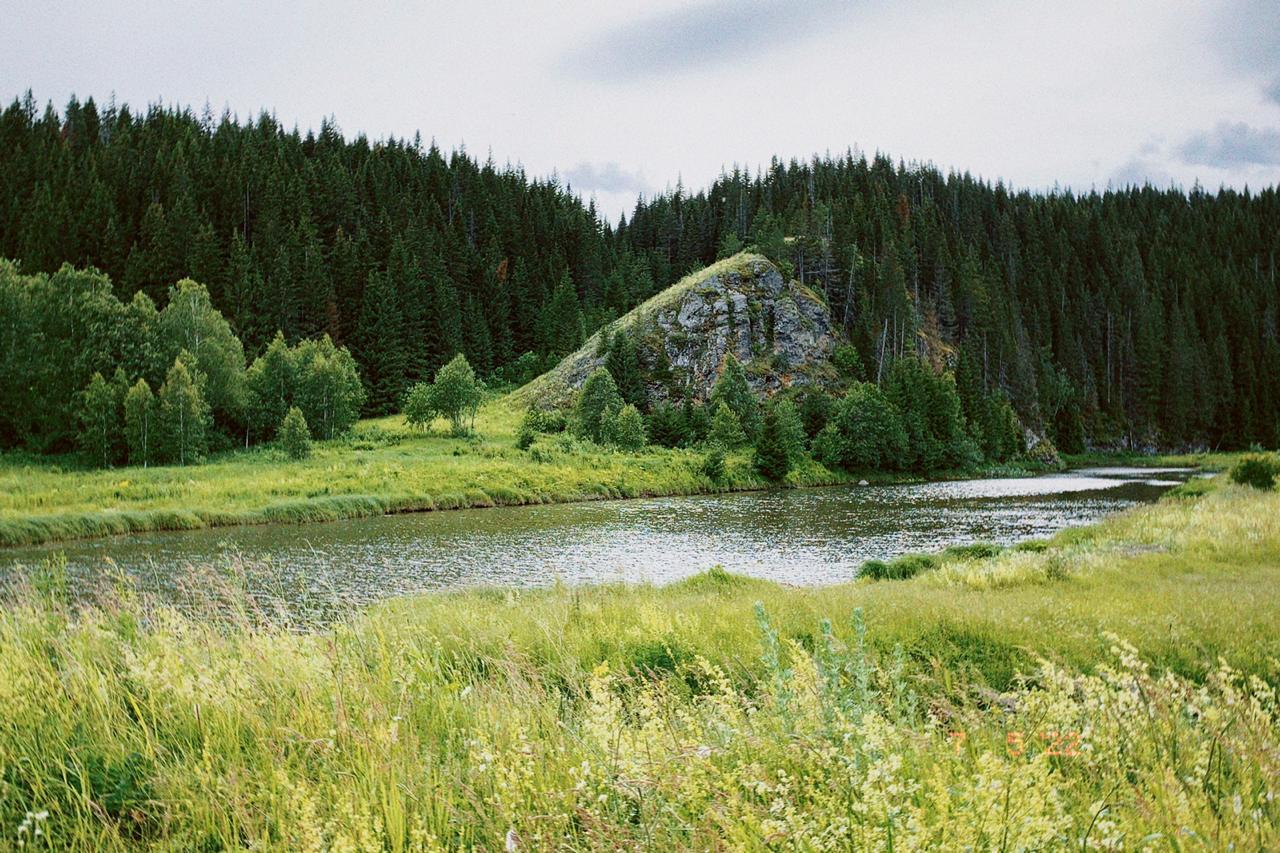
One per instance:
[(780, 331)]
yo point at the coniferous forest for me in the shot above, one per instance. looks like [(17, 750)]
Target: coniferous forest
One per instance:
[(1134, 318)]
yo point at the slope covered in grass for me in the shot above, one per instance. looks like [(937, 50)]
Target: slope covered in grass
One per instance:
[(716, 712)]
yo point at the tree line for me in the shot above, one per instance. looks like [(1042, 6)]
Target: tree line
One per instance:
[(920, 420), (125, 381), (1136, 317)]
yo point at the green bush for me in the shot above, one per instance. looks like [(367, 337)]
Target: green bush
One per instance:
[(1257, 470), (975, 551), (713, 465), (295, 437), (899, 568)]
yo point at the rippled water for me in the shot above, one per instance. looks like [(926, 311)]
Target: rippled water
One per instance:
[(798, 536)]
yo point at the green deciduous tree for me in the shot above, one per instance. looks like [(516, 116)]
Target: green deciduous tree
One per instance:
[(455, 395), (627, 429), (269, 384), (931, 415), (139, 423), (190, 322), (183, 416), (101, 428), (865, 432), (328, 388)]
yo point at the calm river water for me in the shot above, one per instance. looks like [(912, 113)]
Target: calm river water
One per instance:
[(798, 536)]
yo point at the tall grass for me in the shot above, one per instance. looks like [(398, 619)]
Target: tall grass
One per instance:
[(385, 467), (1112, 690)]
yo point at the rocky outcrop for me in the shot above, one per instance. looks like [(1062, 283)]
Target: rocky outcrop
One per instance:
[(780, 331)]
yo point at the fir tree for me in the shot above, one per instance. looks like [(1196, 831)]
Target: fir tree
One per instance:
[(623, 365), (382, 353), (772, 459)]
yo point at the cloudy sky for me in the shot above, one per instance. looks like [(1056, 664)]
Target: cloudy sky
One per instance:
[(628, 97)]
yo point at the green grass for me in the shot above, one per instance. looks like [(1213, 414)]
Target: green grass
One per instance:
[(1112, 687), (384, 467)]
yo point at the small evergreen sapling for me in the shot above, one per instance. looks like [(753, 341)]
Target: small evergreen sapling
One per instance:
[(295, 437)]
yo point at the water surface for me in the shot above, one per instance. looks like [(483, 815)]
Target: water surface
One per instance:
[(797, 536)]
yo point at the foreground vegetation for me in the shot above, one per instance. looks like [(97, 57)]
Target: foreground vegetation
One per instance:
[(1112, 689)]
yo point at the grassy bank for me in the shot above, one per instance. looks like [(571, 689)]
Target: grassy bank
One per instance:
[(384, 467), (716, 712)]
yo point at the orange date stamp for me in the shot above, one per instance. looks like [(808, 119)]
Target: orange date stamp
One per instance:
[(1065, 743)]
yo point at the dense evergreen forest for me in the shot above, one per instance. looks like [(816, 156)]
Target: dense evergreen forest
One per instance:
[(1137, 318)]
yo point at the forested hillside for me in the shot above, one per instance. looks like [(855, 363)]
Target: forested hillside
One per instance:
[(1142, 317)]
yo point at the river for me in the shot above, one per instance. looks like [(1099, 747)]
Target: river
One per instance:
[(797, 536)]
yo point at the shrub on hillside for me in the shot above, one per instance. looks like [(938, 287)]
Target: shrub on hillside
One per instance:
[(713, 466)]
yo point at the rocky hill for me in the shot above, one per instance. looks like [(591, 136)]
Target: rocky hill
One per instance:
[(780, 331)]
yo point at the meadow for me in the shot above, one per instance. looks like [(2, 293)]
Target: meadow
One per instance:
[(384, 466), (1113, 688)]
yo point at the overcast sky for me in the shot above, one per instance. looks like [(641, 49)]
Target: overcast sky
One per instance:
[(626, 97)]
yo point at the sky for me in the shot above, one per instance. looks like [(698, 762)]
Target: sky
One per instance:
[(623, 98)]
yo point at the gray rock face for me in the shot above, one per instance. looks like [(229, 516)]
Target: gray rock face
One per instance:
[(779, 331)]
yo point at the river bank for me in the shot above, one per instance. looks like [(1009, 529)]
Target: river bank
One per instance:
[(718, 710), (384, 467)]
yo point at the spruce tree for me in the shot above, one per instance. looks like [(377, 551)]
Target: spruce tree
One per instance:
[(726, 429), (382, 351), (771, 457), (623, 364)]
